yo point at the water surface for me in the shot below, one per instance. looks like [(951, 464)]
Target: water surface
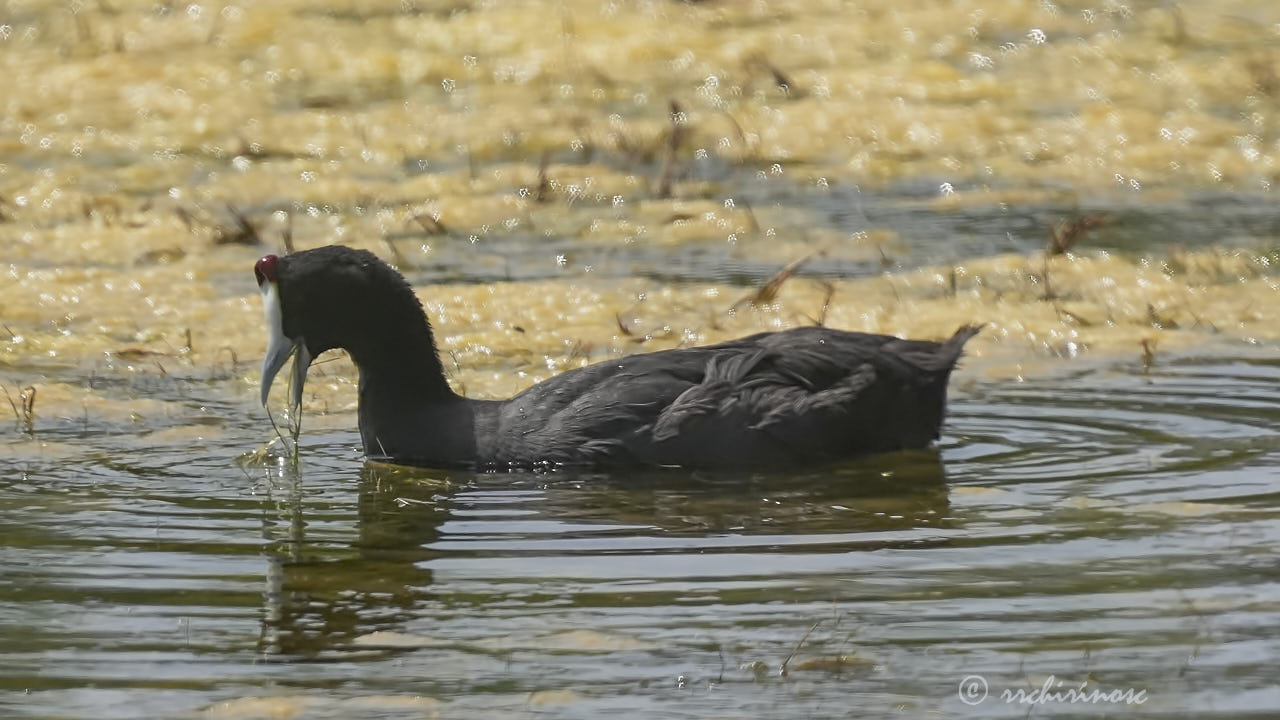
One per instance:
[(1102, 511), (1115, 527)]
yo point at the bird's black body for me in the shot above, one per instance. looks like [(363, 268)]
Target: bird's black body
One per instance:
[(801, 396)]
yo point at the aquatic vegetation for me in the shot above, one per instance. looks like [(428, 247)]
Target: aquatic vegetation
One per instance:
[(568, 182)]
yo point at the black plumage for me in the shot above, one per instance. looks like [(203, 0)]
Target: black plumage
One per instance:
[(802, 396)]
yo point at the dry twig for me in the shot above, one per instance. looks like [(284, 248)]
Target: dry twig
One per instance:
[(543, 191), (674, 139), (1066, 234), (243, 232), (783, 669), (28, 398), (780, 79), (767, 292)]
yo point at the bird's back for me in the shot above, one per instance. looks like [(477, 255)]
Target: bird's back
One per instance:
[(798, 396)]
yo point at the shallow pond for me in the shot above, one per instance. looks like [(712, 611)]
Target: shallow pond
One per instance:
[(1113, 527), (1101, 514)]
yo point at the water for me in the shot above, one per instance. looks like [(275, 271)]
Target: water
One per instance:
[(1101, 513), (1114, 526)]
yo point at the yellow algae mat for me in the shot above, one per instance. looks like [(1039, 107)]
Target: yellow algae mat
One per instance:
[(150, 153)]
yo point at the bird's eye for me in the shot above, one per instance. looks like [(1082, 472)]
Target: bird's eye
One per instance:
[(265, 269)]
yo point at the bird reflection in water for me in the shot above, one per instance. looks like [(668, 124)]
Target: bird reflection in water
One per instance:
[(334, 576)]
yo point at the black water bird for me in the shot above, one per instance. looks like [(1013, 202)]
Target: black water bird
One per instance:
[(803, 396)]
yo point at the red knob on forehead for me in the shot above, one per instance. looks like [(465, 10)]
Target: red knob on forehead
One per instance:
[(265, 269)]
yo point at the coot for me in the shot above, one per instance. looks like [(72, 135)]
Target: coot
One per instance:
[(797, 397)]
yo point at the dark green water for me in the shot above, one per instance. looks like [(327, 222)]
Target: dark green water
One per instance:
[(1115, 527), (1101, 525)]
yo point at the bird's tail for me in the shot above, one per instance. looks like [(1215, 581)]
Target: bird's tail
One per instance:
[(951, 350)]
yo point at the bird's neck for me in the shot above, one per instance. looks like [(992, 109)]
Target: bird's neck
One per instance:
[(404, 357), (407, 408), (389, 338)]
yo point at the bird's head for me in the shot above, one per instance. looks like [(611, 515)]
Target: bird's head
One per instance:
[(329, 297)]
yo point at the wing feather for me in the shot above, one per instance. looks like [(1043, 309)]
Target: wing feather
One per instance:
[(770, 396)]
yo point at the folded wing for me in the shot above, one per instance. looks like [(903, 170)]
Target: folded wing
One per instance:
[(799, 395)]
